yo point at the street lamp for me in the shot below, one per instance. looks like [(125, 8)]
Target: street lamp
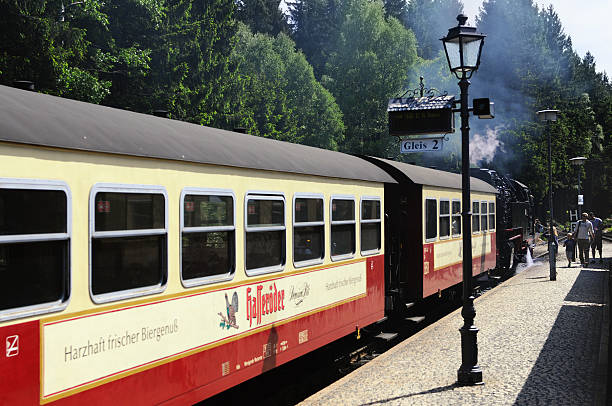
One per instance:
[(463, 46), (548, 116), (579, 161)]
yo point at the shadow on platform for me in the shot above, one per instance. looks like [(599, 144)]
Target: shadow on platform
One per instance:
[(566, 369), (409, 395)]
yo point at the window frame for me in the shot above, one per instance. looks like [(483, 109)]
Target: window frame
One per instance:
[(492, 214), (264, 195), (370, 221), (57, 305), (188, 283), (316, 261), (126, 189), (342, 222), (440, 215), (472, 225), (456, 215), (425, 219), (485, 215)]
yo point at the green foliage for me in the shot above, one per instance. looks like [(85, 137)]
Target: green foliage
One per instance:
[(75, 83), (369, 65), (276, 94), (428, 19), (528, 64), (264, 16), (192, 59), (397, 9), (316, 25)]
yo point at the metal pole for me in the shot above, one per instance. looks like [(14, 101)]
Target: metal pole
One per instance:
[(469, 373), (552, 252), (579, 205)]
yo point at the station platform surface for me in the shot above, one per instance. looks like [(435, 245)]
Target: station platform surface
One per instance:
[(540, 342)]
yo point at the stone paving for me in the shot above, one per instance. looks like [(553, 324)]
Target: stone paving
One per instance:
[(540, 343)]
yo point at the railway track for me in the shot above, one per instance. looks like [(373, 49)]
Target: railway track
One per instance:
[(295, 381)]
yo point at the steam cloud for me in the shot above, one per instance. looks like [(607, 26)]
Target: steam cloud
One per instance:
[(483, 147)]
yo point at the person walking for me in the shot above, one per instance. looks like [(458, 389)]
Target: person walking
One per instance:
[(538, 228), (597, 230), (584, 233), (570, 248)]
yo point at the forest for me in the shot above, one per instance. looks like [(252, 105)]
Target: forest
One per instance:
[(320, 72)]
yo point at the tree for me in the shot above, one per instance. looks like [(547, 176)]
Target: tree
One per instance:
[(397, 9), (40, 42), (429, 19), (316, 26), (277, 96), (192, 71), (371, 58), (263, 16)]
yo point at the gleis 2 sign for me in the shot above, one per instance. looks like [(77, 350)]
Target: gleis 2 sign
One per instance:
[(421, 145)]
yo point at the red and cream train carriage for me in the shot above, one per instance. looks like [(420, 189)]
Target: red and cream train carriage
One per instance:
[(423, 231), (156, 261), (152, 261)]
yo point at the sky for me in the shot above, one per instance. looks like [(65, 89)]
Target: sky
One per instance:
[(587, 22)]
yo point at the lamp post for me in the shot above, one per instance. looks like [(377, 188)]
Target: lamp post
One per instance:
[(463, 46), (548, 116), (578, 161)]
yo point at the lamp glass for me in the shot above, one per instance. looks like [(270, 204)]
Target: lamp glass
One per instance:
[(470, 47), (452, 52)]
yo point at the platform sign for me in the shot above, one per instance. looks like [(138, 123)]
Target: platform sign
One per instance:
[(421, 145), (422, 115)]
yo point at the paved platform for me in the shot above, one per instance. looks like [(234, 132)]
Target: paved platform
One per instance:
[(541, 342)]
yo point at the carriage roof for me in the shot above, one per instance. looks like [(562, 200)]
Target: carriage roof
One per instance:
[(431, 177), (39, 119)]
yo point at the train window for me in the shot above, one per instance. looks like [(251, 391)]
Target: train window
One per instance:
[(208, 238), (343, 239), (491, 215), (431, 219), (265, 234), (308, 230), (445, 217), (456, 218), (34, 247), (129, 241), (483, 216), (475, 216), (370, 226)]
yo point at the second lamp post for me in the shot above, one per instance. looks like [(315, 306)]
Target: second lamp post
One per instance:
[(548, 116), (463, 46)]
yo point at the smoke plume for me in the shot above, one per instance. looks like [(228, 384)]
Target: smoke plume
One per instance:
[(484, 145)]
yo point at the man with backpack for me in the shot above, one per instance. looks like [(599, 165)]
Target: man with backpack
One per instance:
[(584, 234)]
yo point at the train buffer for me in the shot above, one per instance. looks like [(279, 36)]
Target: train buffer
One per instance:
[(555, 353)]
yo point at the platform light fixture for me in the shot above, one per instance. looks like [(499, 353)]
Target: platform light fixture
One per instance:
[(463, 47), (547, 116)]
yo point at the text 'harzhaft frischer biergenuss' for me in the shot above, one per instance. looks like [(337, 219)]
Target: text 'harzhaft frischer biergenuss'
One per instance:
[(343, 282), (117, 341)]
